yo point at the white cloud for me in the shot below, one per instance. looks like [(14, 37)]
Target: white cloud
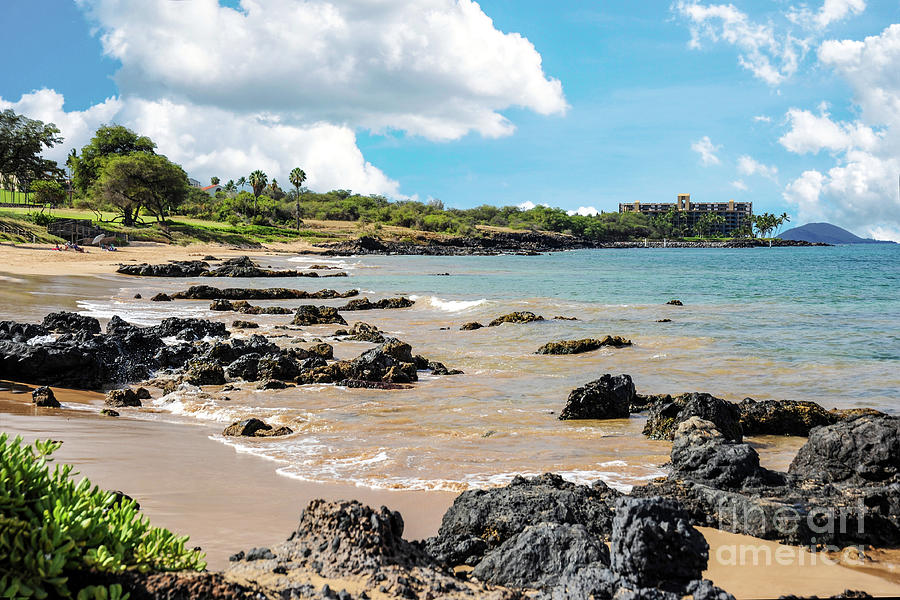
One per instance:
[(281, 83), (528, 205), (812, 133), (860, 190), (707, 151), (770, 51), (747, 165), (584, 211), (830, 12), (76, 127), (739, 184), (890, 234), (771, 57), (762, 119), (211, 141), (435, 68)]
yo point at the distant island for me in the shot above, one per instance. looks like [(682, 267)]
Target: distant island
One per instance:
[(826, 233)]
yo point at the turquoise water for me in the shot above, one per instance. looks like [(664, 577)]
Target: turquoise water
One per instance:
[(798, 304)]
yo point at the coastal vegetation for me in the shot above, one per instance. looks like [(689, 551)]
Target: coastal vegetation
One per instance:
[(132, 190), (53, 530)]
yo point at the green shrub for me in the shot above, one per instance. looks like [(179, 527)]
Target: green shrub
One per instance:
[(39, 218), (52, 528)]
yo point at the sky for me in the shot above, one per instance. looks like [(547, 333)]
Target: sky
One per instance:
[(578, 104)]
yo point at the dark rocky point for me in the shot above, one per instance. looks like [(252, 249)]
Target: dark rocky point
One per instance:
[(470, 326)]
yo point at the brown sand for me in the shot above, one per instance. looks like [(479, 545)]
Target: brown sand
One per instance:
[(190, 484), (228, 501), (42, 259)]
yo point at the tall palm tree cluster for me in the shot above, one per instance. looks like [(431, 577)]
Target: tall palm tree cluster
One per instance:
[(767, 223), (259, 182)]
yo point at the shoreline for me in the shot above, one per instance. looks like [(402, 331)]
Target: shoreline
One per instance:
[(42, 259), (228, 501)]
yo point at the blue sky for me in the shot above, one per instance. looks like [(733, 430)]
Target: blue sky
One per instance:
[(777, 96)]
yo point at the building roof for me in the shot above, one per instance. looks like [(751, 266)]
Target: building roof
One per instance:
[(209, 187)]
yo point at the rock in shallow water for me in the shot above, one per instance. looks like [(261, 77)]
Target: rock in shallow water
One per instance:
[(44, 396), (254, 427), (583, 345), (609, 397), (782, 417), (122, 398), (516, 317), (667, 412)]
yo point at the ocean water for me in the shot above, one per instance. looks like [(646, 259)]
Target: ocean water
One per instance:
[(819, 324)]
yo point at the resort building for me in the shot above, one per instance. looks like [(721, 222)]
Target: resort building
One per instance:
[(688, 213)]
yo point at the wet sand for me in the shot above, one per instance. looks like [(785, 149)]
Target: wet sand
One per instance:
[(228, 501)]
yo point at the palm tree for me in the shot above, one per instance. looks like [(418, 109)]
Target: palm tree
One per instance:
[(779, 221), (241, 182), (298, 176), (214, 180), (230, 187), (257, 181)]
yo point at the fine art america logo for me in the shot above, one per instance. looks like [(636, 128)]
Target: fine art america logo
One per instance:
[(816, 528)]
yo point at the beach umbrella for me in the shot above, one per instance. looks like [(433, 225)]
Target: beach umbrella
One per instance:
[(98, 239)]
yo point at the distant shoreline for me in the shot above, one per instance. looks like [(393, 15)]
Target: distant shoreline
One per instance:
[(526, 243)]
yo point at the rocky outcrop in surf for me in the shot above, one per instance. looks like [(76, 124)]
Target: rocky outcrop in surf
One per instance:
[(517, 317), (667, 412), (88, 359), (254, 427), (384, 303), (208, 292), (583, 345), (242, 266)]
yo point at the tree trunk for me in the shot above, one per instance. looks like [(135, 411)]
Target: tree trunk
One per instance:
[(298, 210)]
